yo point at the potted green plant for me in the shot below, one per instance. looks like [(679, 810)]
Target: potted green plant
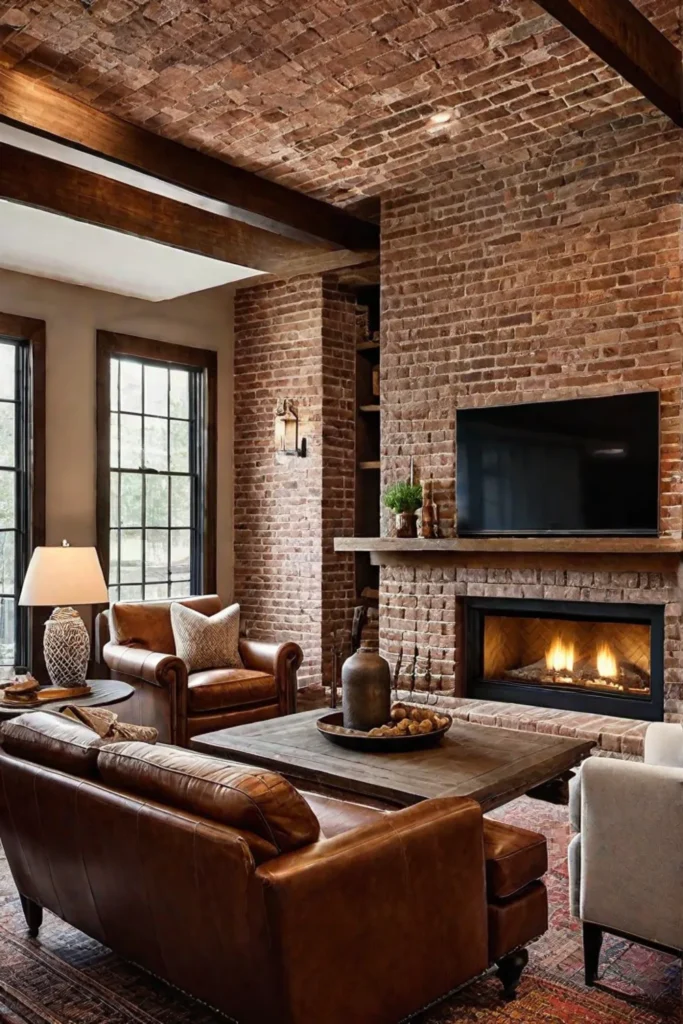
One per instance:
[(404, 499)]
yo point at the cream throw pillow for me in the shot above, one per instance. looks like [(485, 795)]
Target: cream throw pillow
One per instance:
[(207, 641)]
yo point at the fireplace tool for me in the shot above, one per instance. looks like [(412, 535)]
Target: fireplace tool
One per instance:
[(397, 670), (429, 691), (428, 679), (335, 671), (413, 670), (338, 642)]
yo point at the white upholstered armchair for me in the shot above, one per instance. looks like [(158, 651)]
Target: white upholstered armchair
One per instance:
[(626, 863)]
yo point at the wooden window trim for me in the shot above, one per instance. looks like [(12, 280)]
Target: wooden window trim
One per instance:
[(111, 344), (23, 328)]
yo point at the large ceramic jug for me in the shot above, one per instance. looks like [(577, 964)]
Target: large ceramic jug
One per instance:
[(366, 689)]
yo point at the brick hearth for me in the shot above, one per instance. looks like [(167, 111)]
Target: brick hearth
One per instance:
[(612, 735)]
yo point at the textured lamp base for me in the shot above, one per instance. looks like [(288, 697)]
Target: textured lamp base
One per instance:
[(66, 647)]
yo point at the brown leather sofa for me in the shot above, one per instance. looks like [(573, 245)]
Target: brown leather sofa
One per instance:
[(273, 905), (135, 641)]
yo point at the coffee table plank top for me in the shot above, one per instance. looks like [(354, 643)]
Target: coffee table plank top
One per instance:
[(489, 764)]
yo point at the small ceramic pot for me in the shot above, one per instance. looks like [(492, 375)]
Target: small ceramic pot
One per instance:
[(406, 524)]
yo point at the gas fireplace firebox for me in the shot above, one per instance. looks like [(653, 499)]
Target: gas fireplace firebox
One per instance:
[(579, 656)]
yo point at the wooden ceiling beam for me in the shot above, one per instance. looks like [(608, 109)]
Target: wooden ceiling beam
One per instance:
[(620, 34), (47, 184), (29, 104)]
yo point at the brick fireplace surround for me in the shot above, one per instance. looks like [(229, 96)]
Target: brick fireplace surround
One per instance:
[(551, 273)]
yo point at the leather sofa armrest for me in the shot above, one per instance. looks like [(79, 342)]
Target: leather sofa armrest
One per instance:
[(280, 660), (140, 663), (361, 898)]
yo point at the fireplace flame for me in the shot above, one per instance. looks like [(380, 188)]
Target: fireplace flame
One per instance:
[(560, 656), (606, 662)]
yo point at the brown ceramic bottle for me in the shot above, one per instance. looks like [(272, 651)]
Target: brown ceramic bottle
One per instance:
[(366, 689)]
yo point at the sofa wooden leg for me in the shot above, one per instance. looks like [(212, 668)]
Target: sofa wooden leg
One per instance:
[(510, 971), (592, 943), (33, 913)]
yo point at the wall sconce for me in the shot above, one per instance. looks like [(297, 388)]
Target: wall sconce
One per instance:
[(287, 430)]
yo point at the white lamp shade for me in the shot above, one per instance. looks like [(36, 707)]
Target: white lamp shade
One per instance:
[(64, 576)]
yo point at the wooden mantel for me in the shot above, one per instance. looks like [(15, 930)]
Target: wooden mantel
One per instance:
[(645, 554)]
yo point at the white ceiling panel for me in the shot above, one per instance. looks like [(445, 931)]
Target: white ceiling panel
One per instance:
[(46, 244)]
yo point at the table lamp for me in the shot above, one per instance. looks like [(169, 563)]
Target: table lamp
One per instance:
[(65, 576)]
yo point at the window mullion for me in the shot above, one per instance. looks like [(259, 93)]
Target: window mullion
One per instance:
[(143, 493), (21, 442), (119, 546), (169, 520), (195, 497), (20, 531)]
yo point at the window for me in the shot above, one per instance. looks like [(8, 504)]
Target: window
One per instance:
[(159, 457), (21, 477)]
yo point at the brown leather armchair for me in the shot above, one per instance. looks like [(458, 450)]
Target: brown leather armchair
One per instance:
[(135, 641)]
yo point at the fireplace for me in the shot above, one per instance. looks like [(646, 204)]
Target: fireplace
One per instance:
[(580, 656)]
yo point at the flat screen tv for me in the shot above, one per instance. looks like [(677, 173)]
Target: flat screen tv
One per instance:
[(586, 466)]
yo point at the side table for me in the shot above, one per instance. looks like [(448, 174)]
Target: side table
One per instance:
[(104, 691)]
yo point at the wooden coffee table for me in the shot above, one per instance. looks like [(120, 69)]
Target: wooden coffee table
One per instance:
[(489, 764)]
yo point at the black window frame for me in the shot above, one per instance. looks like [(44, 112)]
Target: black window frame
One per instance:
[(28, 337), (202, 363)]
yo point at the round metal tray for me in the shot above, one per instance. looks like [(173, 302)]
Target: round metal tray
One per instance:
[(332, 727)]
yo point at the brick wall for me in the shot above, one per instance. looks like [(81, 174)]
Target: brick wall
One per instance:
[(552, 277), (339, 327), (296, 340)]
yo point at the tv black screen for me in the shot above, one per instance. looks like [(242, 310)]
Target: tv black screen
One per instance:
[(586, 466)]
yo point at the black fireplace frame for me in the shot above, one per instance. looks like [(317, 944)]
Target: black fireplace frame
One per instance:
[(649, 708)]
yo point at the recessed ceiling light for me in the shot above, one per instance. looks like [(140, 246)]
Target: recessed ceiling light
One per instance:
[(441, 117)]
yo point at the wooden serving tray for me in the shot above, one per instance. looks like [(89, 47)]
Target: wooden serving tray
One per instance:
[(47, 695), (332, 727)]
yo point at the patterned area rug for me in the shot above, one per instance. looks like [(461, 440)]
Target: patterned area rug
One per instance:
[(66, 978)]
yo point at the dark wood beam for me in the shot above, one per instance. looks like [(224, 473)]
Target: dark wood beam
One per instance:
[(29, 104), (620, 34), (41, 182)]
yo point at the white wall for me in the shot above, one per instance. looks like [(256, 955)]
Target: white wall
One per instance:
[(72, 316)]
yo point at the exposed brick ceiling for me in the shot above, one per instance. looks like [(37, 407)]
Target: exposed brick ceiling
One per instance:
[(328, 96)]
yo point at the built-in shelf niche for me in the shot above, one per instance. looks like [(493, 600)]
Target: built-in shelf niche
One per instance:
[(367, 514)]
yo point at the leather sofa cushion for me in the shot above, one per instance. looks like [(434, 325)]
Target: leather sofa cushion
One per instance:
[(220, 688), (338, 816), (52, 740), (517, 921), (514, 858), (233, 794), (148, 623)]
